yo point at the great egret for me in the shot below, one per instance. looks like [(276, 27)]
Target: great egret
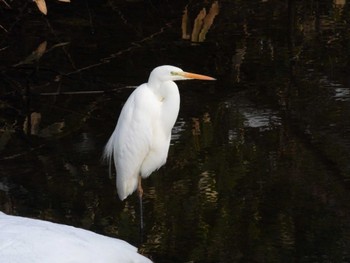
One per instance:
[(141, 139), (37, 241)]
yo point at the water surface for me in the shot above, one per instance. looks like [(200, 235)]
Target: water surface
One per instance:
[(258, 168)]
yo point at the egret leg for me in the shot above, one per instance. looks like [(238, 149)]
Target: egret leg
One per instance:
[(140, 192), (139, 186)]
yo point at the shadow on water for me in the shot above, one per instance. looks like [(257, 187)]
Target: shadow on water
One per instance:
[(258, 169)]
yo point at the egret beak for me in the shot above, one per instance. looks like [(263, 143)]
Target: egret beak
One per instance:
[(189, 75)]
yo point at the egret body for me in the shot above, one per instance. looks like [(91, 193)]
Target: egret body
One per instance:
[(140, 142)]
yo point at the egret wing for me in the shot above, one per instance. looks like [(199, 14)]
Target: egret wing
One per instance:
[(132, 138)]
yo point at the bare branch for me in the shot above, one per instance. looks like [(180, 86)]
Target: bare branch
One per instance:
[(7, 5), (4, 29)]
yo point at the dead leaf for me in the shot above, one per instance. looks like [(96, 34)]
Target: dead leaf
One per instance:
[(340, 3), (35, 55), (41, 4), (41, 49), (208, 20), (198, 22), (35, 119), (184, 25), (52, 130)]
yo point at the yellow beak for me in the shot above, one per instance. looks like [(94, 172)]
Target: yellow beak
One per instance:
[(190, 75)]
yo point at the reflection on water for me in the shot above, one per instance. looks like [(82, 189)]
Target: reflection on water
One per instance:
[(260, 119), (340, 92), (178, 129), (258, 168), (207, 186)]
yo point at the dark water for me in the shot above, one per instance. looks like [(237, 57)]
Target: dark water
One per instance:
[(258, 170)]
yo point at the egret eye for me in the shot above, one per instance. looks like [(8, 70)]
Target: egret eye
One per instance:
[(174, 73)]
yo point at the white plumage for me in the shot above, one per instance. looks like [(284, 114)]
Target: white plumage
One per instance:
[(25, 240), (141, 139)]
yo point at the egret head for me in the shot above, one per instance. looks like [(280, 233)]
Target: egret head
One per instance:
[(166, 73)]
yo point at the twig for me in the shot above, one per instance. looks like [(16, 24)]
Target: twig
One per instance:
[(134, 45), (4, 29), (7, 5), (81, 92), (14, 156), (71, 93), (90, 19), (63, 46), (18, 17)]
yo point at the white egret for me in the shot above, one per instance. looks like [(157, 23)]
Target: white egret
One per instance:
[(141, 139), (37, 241)]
